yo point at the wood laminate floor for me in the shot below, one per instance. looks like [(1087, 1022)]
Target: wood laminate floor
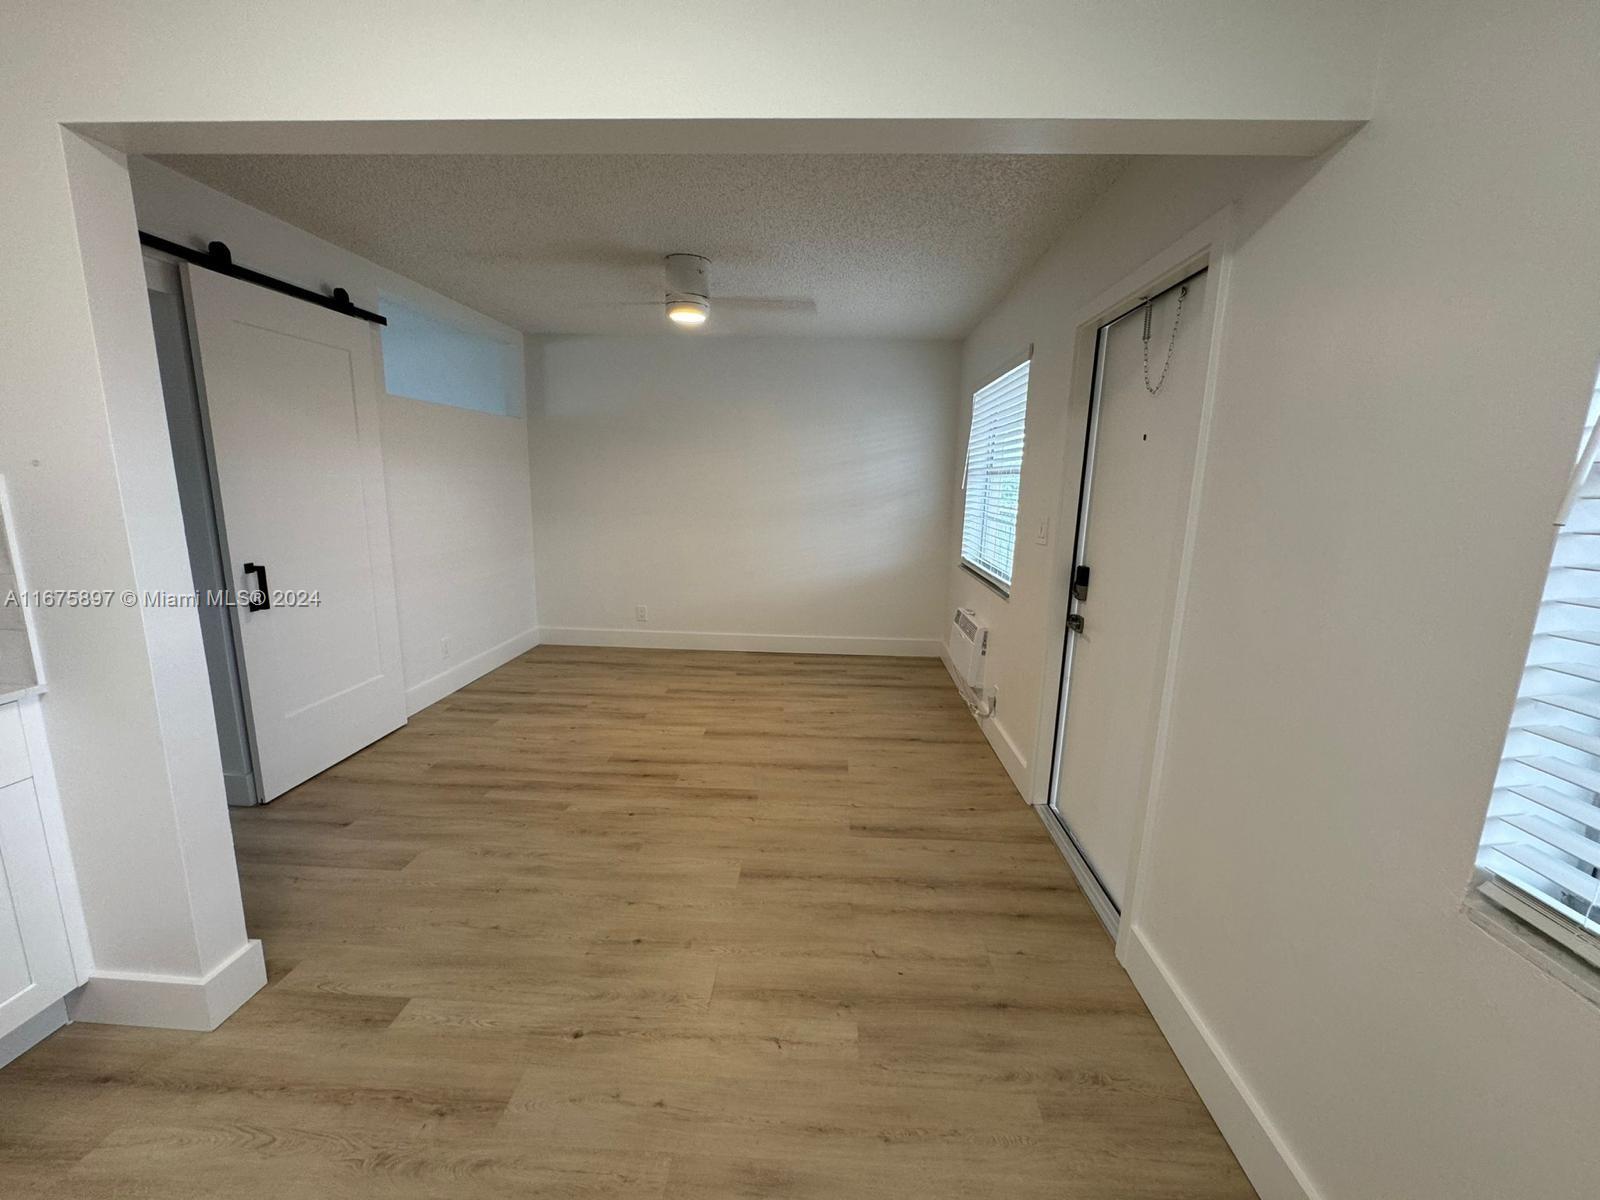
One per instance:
[(646, 924)]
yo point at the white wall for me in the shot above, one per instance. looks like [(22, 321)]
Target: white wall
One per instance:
[(1409, 346), (457, 480), (1407, 365), (752, 493), (1153, 204), (461, 520), (1229, 60), (132, 733)]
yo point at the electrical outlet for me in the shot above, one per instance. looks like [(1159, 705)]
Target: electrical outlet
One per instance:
[(640, 613), (444, 647)]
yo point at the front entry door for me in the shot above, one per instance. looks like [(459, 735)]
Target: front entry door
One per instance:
[(291, 401), (1138, 472)]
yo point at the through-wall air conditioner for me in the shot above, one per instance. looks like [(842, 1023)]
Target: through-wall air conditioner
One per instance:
[(969, 643)]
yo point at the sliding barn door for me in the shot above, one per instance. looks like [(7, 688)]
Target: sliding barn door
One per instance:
[(291, 400)]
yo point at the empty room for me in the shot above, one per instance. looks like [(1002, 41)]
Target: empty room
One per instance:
[(877, 601)]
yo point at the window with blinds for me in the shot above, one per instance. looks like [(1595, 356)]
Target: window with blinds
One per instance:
[(1541, 842), (993, 476)]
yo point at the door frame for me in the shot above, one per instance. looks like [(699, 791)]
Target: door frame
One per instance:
[(165, 274), (1208, 246)]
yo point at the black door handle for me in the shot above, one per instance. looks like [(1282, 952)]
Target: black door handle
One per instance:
[(1080, 583), (259, 597)]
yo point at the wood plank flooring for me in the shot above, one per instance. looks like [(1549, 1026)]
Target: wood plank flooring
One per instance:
[(651, 924)]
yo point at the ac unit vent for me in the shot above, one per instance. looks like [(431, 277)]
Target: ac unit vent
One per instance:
[(966, 622), (969, 643)]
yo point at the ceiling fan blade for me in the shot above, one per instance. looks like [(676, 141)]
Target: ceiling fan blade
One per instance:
[(774, 304)]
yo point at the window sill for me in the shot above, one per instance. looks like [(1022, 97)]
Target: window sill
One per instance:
[(986, 579), (1543, 951)]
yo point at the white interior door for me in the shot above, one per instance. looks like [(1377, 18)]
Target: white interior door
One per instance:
[(1138, 473), (291, 402)]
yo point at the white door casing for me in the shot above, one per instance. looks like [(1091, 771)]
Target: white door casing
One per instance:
[(1131, 538), (291, 402)]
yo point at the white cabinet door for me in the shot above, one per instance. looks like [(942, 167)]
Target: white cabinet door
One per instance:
[(291, 400), (35, 962)]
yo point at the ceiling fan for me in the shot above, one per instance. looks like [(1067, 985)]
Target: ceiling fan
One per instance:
[(688, 299), (688, 289)]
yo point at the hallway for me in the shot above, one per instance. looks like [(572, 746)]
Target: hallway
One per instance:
[(647, 924)]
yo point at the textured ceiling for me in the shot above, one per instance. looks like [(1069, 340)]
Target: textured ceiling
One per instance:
[(882, 245)]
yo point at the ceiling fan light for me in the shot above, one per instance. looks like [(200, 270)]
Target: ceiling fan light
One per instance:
[(688, 313)]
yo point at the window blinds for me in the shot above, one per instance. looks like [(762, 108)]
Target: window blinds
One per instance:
[(1542, 837), (994, 475)]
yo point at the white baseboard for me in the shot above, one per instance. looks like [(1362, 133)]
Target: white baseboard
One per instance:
[(1011, 758), (172, 1001), (32, 1031), (437, 687), (1256, 1142), (768, 643), (1005, 746)]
